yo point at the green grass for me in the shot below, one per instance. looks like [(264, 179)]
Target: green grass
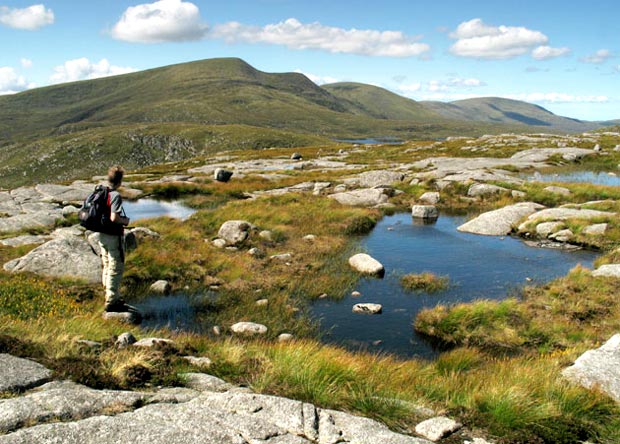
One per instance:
[(427, 282)]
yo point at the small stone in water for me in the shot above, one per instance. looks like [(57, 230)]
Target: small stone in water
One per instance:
[(323, 296), (356, 294)]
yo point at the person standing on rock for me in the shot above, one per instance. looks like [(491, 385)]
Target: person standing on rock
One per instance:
[(111, 243)]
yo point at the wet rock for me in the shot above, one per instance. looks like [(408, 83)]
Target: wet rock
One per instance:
[(437, 428), (485, 190), (160, 287), (367, 308), (366, 264), (379, 178), (430, 198), (500, 222), (235, 232), (125, 340), (222, 175), (248, 328), (426, 212), (21, 374), (565, 235), (69, 256), (366, 197), (608, 270), (599, 369)]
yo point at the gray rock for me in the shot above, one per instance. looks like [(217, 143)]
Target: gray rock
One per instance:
[(75, 230), (430, 198), (206, 383), (544, 154), (607, 270), (546, 228), (367, 308), (437, 428), (21, 374), (565, 235), (379, 178), (427, 212), (143, 233), (518, 194), (89, 344), (23, 240), (256, 252), (558, 190), (125, 340), (309, 237), (284, 257), (125, 317), (69, 210), (366, 197), (30, 220), (199, 361), (485, 190), (153, 342), (248, 328), (296, 156), (266, 235), (568, 213), (285, 337), (219, 243), (222, 175), (340, 188), (235, 232), (595, 229), (599, 369), (70, 257), (160, 287), (64, 193), (65, 400), (366, 264), (500, 222)]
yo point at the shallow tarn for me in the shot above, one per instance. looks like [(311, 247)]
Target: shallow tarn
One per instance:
[(479, 267), (147, 208)]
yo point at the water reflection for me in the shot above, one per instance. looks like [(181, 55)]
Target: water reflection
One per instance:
[(148, 208)]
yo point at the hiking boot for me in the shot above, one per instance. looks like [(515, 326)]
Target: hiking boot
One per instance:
[(120, 306)]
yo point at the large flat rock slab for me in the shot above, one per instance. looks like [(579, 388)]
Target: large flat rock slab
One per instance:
[(599, 368), (544, 154), (65, 256), (500, 222), (21, 374), (569, 213), (365, 197), (29, 220), (64, 193)]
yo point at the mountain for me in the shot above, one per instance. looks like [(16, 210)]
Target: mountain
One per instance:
[(380, 103), (507, 111)]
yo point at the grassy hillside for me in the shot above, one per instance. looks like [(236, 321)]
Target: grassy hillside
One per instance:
[(380, 103), (499, 110)]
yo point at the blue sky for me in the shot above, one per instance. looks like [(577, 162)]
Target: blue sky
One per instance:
[(562, 55)]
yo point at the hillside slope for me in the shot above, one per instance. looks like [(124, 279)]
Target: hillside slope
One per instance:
[(507, 111)]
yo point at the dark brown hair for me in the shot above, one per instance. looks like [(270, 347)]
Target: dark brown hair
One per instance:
[(115, 175)]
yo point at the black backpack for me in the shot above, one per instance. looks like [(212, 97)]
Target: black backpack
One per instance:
[(95, 212)]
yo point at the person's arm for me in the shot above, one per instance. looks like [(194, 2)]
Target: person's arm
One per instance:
[(118, 219)]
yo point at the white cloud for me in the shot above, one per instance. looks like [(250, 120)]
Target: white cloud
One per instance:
[(476, 39), (296, 35), (600, 56), (26, 63), (547, 52), (11, 82), (30, 18), (454, 83), (446, 97), (555, 97), (83, 69), (319, 80), (162, 21), (410, 87)]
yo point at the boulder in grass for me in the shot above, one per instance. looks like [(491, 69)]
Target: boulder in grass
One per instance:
[(366, 264), (437, 428), (235, 232), (248, 328), (161, 287), (222, 175)]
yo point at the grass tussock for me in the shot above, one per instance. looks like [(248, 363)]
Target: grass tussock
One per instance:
[(428, 282)]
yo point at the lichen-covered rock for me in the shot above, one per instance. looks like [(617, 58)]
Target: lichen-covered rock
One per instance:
[(599, 368), (21, 374), (235, 232), (500, 222)]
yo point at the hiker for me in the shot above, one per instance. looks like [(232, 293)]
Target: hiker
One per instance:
[(111, 243)]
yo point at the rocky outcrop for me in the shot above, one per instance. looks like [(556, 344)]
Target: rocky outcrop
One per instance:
[(379, 178), (485, 190), (568, 213), (365, 197), (599, 369), (366, 264), (65, 256), (500, 222), (544, 154), (21, 374)]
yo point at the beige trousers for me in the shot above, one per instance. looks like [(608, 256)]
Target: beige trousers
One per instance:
[(113, 260)]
